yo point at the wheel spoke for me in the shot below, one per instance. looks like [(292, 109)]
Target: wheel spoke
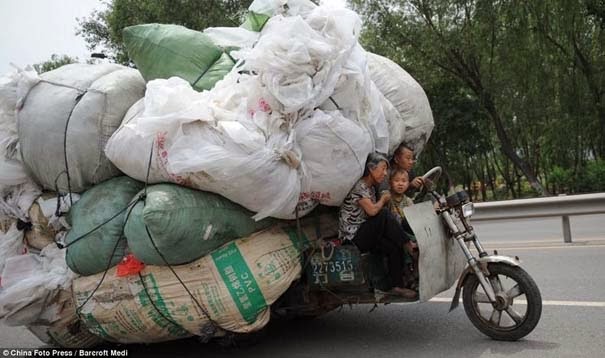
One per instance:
[(496, 284), (514, 315), (481, 297), (514, 292), (496, 317)]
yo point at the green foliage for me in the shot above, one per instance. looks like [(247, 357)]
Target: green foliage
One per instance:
[(596, 9), (593, 178), (561, 179), (533, 74), (457, 140), (55, 61), (102, 30)]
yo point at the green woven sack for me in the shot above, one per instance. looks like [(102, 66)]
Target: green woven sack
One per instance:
[(185, 224), (92, 253), (217, 71), (254, 21), (164, 51)]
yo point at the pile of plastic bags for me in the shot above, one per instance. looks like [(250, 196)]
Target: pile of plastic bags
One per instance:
[(295, 118), (109, 174)]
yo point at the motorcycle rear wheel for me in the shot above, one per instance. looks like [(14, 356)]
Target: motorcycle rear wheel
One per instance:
[(503, 321)]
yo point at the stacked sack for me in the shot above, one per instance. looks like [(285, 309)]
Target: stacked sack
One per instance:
[(230, 289), (145, 212), (53, 130)]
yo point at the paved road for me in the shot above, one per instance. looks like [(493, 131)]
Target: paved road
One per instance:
[(571, 278)]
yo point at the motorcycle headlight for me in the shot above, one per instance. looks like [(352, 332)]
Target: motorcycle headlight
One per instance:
[(468, 210)]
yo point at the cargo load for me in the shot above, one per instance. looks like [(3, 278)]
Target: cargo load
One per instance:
[(96, 240), (180, 225), (415, 122), (68, 116), (230, 289), (225, 137), (164, 51)]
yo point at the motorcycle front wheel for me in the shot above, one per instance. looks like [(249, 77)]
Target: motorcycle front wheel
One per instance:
[(517, 310)]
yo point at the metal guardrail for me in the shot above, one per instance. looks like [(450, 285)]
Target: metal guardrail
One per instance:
[(562, 206)]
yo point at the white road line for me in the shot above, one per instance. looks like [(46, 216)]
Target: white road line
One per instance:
[(547, 241), (544, 303), (503, 248)]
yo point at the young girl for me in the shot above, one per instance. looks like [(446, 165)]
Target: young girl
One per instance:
[(399, 184)]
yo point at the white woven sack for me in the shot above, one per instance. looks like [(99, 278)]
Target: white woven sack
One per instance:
[(71, 113), (408, 97)]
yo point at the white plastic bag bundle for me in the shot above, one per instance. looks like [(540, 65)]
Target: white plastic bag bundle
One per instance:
[(8, 97), (192, 147), (408, 97), (17, 190), (11, 244), (232, 37), (299, 60), (282, 7), (127, 150), (395, 125), (358, 99), (265, 179), (12, 172), (30, 282), (151, 125), (75, 109), (15, 201), (12, 85), (334, 154)]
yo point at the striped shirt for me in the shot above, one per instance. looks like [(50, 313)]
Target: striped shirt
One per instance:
[(351, 214)]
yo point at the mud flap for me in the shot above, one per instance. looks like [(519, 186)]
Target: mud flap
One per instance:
[(441, 260), (456, 299)]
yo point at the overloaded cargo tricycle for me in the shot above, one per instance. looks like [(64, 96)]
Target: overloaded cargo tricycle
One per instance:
[(499, 297)]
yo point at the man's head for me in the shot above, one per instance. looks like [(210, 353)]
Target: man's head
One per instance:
[(403, 157)]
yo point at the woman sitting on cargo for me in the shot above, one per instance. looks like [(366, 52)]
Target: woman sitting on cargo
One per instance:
[(371, 227)]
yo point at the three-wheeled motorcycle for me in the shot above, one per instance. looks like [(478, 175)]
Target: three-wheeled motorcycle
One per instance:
[(499, 297)]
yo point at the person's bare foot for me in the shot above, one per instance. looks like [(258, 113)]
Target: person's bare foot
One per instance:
[(405, 293)]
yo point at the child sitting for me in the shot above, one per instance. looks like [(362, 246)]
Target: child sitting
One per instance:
[(399, 184)]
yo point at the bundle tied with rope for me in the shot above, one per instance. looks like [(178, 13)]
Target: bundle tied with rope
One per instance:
[(231, 289), (141, 197), (65, 120), (169, 302)]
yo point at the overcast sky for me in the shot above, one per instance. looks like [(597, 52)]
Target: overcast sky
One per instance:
[(32, 30)]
